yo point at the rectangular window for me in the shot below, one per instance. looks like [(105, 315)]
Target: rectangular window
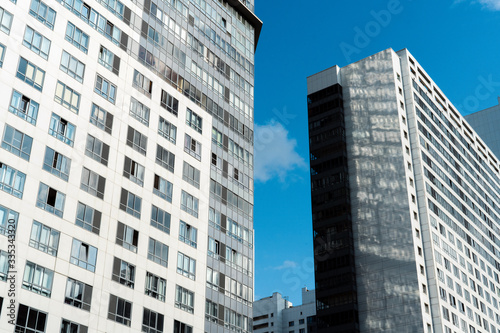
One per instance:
[(72, 327), (217, 137), (158, 252), (191, 175), (160, 219), (152, 322), (127, 237), (43, 13), (193, 120), (17, 142), (105, 88), (2, 54), (61, 129), (78, 294), (139, 111), (67, 97), (188, 234), (167, 130), (30, 320), (72, 66), (120, 310), (133, 171), (137, 140), (77, 37), (123, 272), (56, 163), (88, 218), (182, 328), (11, 180), (92, 183), (186, 266), (165, 158), (38, 279), (83, 255), (163, 188), (51, 200), (192, 147), (130, 203), (36, 42), (189, 203), (213, 248), (155, 286), (97, 150), (101, 118), (31, 74), (44, 238), (5, 20), (109, 60), (184, 299), (142, 83), (4, 265), (169, 102), (6, 216)]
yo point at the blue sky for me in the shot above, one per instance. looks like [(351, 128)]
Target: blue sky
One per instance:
[(457, 42)]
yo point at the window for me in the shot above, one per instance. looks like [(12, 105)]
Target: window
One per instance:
[(193, 120), (12, 180), (167, 130), (24, 107), (31, 74), (163, 188), (123, 272), (17, 142), (88, 218), (186, 266), (189, 203), (291, 323), (127, 237), (30, 320), (109, 60), (101, 118), (188, 234), (158, 252), (139, 111), (2, 54), (38, 279), (155, 286), (160, 219), (7, 216), (51, 200), (71, 327), (152, 322), (92, 183), (142, 83), (67, 97), (130, 203), (213, 248), (104, 88), (97, 150), (182, 328), (137, 140), (120, 310), (44, 238), (72, 66), (165, 158), (133, 171), (61, 129), (169, 102), (43, 13), (184, 299), (5, 20), (83, 255), (56, 163), (191, 175), (4, 265), (77, 37), (192, 147), (36, 42)]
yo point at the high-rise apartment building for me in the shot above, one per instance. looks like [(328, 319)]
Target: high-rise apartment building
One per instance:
[(405, 200), (126, 166)]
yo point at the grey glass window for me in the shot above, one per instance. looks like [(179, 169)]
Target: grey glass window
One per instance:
[(3, 48), (56, 163), (78, 294), (160, 219), (184, 299), (137, 140), (163, 188), (36, 42), (38, 279), (192, 147), (191, 175), (12, 180), (189, 203), (88, 218), (106, 89), (155, 286), (180, 327), (142, 83), (188, 234), (127, 237), (44, 238), (93, 183), (43, 13), (186, 265), (165, 158), (24, 107), (72, 66), (130, 203), (31, 74), (114, 6), (193, 120), (152, 322), (169, 102), (139, 111), (17, 142), (167, 130), (109, 60), (72, 327), (61, 129), (7, 216), (50, 200), (83, 255), (120, 310), (67, 97), (5, 20), (30, 320), (133, 171), (97, 150), (4, 265), (101, 118), (123, 272), (158, 252), (77, 37)]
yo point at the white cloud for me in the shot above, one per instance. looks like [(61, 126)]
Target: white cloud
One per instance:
[(286, 264), (275, 153), (489, 4)]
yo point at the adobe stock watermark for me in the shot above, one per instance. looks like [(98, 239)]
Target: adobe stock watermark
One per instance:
[(484, 90), (11, 271), (267, 135)]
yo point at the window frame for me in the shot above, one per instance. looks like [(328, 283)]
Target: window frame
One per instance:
[(19, 144)]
